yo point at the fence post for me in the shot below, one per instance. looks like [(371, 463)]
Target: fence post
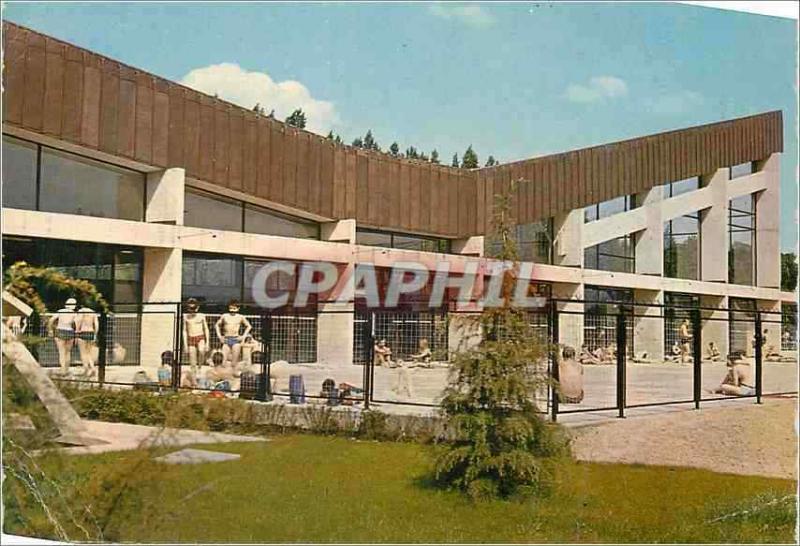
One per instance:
[(102, 348), (759, 341), (622, 347), (697, 349), (266, 357), (553, 390), (177, 362), (369, 344)]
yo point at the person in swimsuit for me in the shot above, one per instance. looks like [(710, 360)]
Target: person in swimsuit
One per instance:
[(685, 339), (195, 336), (383, 354), (86, 327), (738, 381), (424, 354), (229, 332), (62, 327), (570, 378), (713, 353)]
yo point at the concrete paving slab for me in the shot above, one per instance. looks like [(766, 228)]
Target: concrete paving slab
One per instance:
[(197, 456)]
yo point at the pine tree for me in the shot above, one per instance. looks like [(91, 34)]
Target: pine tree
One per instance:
[(411, 153), (470, 159), (423, 156), (358, 143), (271, 114), (338, 140), (394, 149), (455, 161), (370, 143), (330, 135), (434, 156), (258, 109), (491, 397), (297, 119)]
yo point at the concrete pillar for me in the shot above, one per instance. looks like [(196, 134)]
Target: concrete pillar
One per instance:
[(650, 241), (714, 324), (570, 318), (335, 321), (341, 231), (161, 291), (648, 325), (768, 218), (165, 195), (470, 246), (714, 229), (568, 235)]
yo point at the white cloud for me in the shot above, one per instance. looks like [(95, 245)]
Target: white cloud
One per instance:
[(599, 88), (472, 15), (232, 83), (675, 103)]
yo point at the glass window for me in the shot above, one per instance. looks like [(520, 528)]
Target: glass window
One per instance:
[(266, 222), (76, 185), (209, 278), (608, 208), (534, 242), (673, 189), (742, 240), (402, 241), (682, 247), (612, 255), (114, 270), (742, 169), (208, 211), (19, 174), (372, 238)]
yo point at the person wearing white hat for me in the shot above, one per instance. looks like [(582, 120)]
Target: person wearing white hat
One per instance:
[(86, 326), (62, 327)]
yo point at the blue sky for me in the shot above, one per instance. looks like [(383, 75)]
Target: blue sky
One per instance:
[(513, 80)]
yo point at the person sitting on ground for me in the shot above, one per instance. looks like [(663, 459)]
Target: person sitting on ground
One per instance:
[(570, 378), (587, 357), (675, 353), (772, 354), (713, 353), (424, 354), (641, 358), (219, 371), (738, 380), (600, 355), (165, 370), (383, 354)]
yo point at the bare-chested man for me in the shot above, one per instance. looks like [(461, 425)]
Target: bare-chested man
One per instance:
[(86, 326), (738, 380), (229, 331), (685, 337), (62, 327), (195, 336)]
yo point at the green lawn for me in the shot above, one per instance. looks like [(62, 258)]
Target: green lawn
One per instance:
[(303, 488)]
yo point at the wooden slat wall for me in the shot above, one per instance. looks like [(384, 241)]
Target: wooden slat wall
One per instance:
[(68, 93)]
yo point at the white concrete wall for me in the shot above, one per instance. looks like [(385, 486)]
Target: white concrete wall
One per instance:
[(650, 241), (768, 219), (161, 289), (165, 196), (648, 325)]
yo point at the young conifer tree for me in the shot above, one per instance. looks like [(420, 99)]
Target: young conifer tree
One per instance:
[(491, 398)]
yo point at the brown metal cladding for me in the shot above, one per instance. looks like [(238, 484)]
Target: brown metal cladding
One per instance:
[(69, 93)]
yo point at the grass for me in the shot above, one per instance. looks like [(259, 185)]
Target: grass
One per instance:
[(304, 488)]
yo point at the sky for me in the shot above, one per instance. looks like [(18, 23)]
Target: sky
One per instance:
[(513, 80)]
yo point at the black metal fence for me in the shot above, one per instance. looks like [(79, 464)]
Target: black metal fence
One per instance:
[(627, 354)]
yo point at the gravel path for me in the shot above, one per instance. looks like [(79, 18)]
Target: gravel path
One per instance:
[(745, 439)]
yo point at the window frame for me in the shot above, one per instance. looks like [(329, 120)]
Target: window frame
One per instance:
[(733, 228), (392, 234)]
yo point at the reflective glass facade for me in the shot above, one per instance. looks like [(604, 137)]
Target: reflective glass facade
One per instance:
[(534, 242), (742, 240), (369, 237), (40, 178), (614, 255)]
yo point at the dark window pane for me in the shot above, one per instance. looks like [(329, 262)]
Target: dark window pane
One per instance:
[(370, 238), (590, 258), (590, 213), (19, 174), (212, 279), (76, 185), (613, 206), (206, 211), (258, 220)]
